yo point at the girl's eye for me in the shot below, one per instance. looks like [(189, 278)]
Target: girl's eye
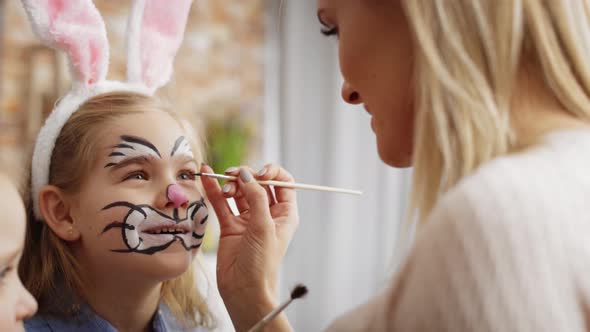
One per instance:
[(137, 176), (186, 176)]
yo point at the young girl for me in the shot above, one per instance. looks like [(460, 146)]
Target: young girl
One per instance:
[(16, 304), (122, 217), (115, 212)]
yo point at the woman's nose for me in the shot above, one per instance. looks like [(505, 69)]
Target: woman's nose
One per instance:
[(26, 306), (350, 95), (176, 196)]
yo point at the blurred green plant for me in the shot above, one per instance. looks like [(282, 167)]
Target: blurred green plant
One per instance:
[(227, 145)]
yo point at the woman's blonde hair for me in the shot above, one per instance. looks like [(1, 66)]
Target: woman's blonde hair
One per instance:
[(48, 267), (468, 53)]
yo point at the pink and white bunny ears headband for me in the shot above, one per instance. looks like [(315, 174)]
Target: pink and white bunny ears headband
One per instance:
[(155, 31)]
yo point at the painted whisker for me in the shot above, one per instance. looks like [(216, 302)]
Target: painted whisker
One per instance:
[(117, 224)]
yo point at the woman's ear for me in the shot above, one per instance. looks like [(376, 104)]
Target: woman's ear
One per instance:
[(57, 214)]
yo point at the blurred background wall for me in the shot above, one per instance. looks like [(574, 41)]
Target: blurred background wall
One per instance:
[(263, 84), (218, 81)]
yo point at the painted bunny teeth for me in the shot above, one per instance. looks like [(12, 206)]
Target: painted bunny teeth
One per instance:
[(147, 230)]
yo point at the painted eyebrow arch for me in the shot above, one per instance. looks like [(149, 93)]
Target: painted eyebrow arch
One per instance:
[(130, 161), (139, 140), (123, 146), (177, 145)]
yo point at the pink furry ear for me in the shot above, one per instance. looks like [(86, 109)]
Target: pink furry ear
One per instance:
[(75, 27), (155, 32)]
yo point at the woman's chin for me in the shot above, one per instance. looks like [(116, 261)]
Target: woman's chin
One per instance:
[(394, 157)]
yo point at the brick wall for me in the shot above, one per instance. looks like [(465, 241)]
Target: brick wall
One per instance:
[(218, 72)]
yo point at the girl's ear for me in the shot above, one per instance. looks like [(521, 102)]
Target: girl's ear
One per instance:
[(57, 214)]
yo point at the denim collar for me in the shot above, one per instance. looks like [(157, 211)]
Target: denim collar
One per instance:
[(87, 320)]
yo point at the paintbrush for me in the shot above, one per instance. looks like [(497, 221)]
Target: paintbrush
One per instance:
[(285, 184), (298, 292)]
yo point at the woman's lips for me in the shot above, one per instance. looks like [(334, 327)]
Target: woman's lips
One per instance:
[(366, 107)]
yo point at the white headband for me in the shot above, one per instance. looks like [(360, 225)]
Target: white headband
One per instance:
[(154, 33)]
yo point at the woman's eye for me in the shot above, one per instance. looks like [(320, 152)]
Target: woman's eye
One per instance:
[(330, 31), (137, 176)]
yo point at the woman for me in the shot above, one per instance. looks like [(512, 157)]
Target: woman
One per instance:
[(490, 103)]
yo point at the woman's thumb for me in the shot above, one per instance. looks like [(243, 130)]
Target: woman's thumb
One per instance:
[(257, 199)]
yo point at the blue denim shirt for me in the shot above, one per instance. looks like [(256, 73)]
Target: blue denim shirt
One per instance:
[(163, 321)]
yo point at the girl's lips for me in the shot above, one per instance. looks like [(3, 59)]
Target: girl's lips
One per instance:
[(168, 228), (146, 230)]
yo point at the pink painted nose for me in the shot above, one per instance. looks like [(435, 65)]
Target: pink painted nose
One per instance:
[(176, 196)]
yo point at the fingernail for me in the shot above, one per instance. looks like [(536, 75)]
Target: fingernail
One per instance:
[(262, 171), (232, 170), (246, 176), (226, 188)]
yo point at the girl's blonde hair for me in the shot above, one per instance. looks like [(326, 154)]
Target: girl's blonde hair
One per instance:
[(48, 268), (468, 53)]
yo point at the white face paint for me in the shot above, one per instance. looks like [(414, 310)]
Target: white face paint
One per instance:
[(146, 230), (182, 148), (134, 147)]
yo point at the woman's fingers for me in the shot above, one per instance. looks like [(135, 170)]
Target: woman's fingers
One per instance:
[(231, 190), (215, 195), (276, 173), (257, 199)]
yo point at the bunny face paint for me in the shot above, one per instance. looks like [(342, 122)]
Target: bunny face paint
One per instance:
[(146, 230), (136, 147), (140, 211)]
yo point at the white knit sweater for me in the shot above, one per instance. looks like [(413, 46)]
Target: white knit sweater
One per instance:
[(508, 249)]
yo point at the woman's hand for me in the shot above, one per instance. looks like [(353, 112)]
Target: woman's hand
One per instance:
[(253, 243)]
